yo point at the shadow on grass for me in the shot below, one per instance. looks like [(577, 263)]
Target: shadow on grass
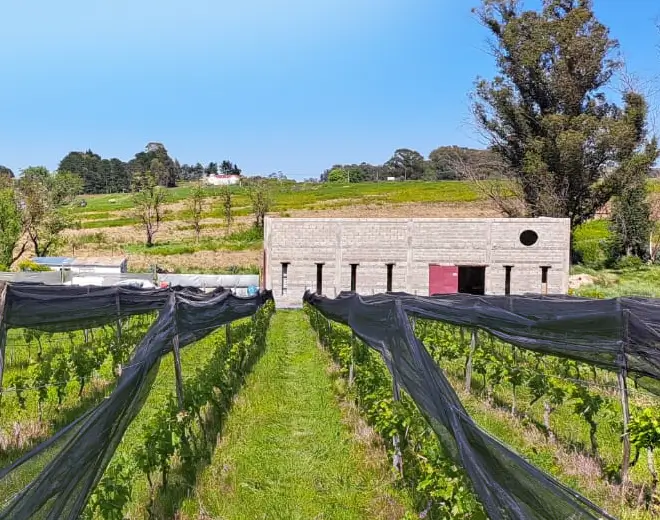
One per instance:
[(199, 448)]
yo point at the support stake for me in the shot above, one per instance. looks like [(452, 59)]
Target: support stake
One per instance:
[(468, 365), (351, 368), (397, 459), (177, 359), (3, 331), (228, 334), (623, 389)]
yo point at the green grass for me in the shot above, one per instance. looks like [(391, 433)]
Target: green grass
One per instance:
[(285, 453), (251, 238), (300, 195)]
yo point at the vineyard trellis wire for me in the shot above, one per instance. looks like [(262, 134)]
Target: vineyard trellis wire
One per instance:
[(55, 340), (619, 336)]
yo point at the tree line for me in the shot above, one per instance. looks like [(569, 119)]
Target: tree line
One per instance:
[(407, 164), (101, 175)]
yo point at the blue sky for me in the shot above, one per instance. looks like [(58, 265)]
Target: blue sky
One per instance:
[(290, 85)]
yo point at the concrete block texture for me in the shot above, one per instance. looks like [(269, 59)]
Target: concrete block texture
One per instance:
[(411, 246)]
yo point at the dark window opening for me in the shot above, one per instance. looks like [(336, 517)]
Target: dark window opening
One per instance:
[(285, 277), (472, 280), (390, 270), (354, 277), (507, 279), (544, 279), (528, 237), (319, 279)]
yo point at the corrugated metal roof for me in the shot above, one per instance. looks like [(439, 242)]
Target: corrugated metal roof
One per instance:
[(53, 260)]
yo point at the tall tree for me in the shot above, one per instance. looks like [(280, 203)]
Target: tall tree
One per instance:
[(11, 228), (47, 200), (565, 147), (167, 170), (6, 173), (406, 164), (148, 202), (631, 212), (229, 168)]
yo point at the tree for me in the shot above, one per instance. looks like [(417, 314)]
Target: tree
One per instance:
[(229, 168), (338, 175), (46, 200), (211, 169), (227, 202), (166, 169), (406, 163), (260, 196), (631, 212), (196, 207), (564, 146), (148, 201), (6, 172), (11, 228)]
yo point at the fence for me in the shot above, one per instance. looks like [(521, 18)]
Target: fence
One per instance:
[(618, 336), (92, 353)]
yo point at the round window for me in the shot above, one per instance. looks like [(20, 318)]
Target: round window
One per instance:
[(528, 237)]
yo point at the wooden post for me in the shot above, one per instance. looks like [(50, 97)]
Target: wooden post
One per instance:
[(3, 331), (351, 368), (623, 389), (397, 459), (228, 334), (468, 365), (177, 358)]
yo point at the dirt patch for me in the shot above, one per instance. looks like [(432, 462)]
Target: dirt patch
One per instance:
[(201, 260)]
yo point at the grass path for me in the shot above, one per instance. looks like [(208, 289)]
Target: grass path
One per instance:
[(287, 451)]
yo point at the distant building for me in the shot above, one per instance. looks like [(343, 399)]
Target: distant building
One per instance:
[(223, 180), (77, 266), (422, 256)]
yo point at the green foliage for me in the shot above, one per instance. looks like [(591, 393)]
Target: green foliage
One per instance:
[(46, 200), (148, 201), (11, 228), (568, 150), (591, 243), (227, 202), (181, 433), (259, 193), (437, 483), (338, 175), (406, 164), (196, 207)]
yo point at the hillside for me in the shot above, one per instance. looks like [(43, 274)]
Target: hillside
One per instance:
[(108, 226)]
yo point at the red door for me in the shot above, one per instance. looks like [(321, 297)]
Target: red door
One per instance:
[(443, 279)]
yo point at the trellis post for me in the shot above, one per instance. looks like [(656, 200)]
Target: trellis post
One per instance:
[(468, 365), (3, 331), (351, 368), (177, 358), (623, 389), (397, 459)]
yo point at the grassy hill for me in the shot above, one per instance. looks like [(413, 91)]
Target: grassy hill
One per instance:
[(108, 226)]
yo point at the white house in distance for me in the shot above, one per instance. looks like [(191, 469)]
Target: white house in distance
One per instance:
[(223, 180)]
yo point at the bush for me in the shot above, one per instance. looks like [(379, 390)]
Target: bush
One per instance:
[(591, 244), (629, 262), (27, 265)]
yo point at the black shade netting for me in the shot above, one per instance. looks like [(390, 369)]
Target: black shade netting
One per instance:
[(55, 479), (616, 335)]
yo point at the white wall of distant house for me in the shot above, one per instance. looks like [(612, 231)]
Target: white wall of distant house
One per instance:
[(223, 180)]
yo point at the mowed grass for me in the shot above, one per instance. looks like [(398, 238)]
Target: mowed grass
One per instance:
[(285, 453)]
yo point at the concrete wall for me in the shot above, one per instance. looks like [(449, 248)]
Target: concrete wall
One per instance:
[(411, 245)]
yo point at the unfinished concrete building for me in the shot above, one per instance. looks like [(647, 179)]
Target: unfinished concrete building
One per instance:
[(422, 256)]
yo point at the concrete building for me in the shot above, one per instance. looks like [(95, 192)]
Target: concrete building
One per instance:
[(418, 255), (223, 180)]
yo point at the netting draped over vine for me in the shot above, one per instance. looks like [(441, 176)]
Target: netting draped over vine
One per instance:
[(619, 334), (55, 479)]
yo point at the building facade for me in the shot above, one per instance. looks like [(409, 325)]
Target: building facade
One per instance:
[(420, 256)]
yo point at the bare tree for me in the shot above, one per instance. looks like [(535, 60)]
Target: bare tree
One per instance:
[(196, 207), (490, 177), (227, 203), (261, 198), (148, 201)]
